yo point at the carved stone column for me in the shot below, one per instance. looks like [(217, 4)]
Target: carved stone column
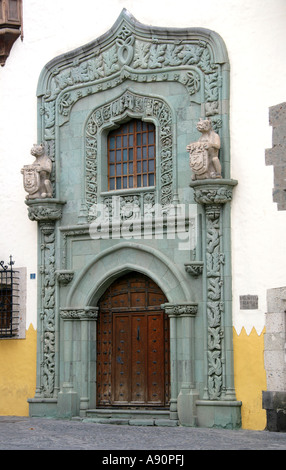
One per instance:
[(183, 393), (215, 196), (46, 212)]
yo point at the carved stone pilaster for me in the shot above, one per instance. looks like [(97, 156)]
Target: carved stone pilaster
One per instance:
[(46, 212), (213, 195)]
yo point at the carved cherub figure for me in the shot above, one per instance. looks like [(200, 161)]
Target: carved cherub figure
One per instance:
[(204, 159), (37, 175)]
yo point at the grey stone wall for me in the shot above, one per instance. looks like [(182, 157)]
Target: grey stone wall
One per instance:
[(274, 399), (276, 156)]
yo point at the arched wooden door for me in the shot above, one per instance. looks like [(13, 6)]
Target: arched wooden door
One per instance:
[(132, 345)]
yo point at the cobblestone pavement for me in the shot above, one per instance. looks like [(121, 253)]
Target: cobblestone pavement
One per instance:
[(21, 433)]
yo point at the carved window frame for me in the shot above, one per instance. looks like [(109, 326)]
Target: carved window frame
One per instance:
[(110, 115)]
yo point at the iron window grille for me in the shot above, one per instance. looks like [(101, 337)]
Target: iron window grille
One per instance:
[(9, 300)]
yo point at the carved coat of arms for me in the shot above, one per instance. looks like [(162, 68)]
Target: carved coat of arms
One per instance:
[(198, 157), (31, 179)]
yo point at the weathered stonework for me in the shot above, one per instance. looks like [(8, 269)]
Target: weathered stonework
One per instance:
[(276, 156), (274, 399)]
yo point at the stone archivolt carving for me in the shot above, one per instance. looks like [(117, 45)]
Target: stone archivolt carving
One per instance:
[(204, 159), (37, 175), (135, 53)]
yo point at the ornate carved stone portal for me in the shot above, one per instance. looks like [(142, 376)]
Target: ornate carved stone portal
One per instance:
[(87, 238)]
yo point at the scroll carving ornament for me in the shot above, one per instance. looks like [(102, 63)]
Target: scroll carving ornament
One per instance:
[(48, 314)]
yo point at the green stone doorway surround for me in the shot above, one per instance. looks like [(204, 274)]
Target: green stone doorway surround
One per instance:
[(171, 78)]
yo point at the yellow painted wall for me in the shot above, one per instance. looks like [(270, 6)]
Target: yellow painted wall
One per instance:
[(250, 377), (17, 373)]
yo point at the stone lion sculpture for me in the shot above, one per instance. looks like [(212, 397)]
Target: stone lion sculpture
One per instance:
[(204, 159), (37, 175)]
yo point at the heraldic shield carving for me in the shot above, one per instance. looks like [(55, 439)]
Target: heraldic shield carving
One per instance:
[(198, 158), (31, 179)]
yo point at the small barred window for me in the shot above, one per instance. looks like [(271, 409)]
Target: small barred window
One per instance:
[(9, 294)]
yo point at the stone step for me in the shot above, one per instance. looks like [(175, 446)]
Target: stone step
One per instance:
[(130, 417)]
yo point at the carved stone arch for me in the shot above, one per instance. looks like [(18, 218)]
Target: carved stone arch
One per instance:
[(114, 262), (147, 108)]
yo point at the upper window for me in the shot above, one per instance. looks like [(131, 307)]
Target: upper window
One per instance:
[(131, 156)]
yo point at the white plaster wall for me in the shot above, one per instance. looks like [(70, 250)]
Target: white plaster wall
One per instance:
[(255, 35)]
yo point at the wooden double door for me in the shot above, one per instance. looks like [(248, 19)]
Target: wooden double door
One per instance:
[(133, 345)]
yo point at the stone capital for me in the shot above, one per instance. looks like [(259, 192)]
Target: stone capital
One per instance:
[(64, 276), (44, 210), (210, 191), (194, 268), (85, 313), (189, 308)]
